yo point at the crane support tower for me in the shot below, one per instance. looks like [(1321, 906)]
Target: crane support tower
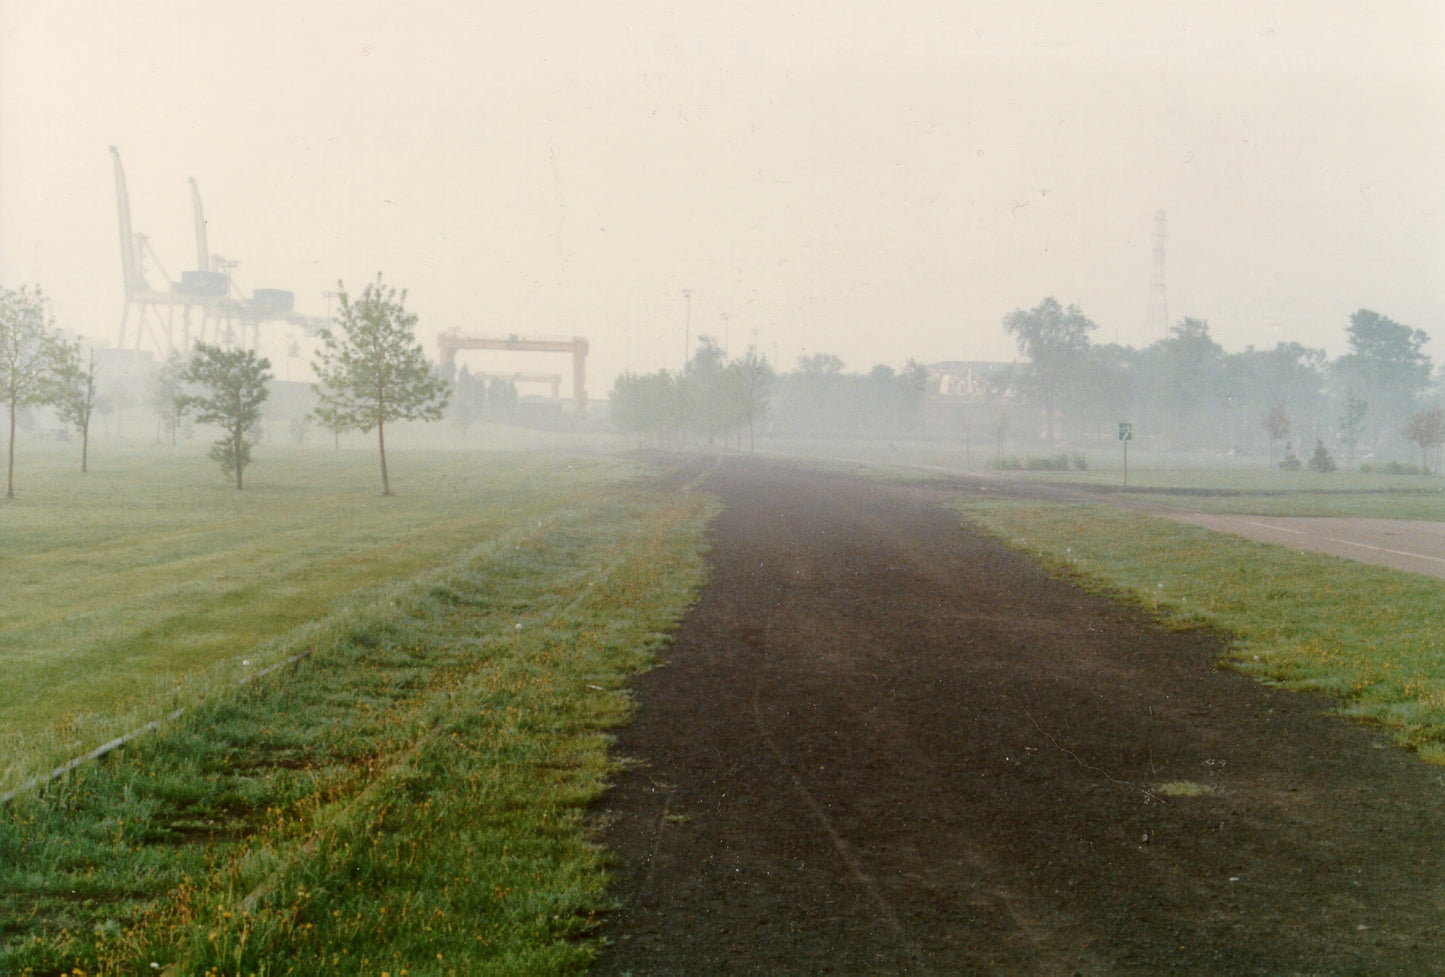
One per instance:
[(448, 343), (1156, 318), (211, 309)]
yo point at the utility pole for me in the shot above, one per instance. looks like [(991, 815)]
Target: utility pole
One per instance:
[(687, 330)]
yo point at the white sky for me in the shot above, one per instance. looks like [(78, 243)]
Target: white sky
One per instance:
[(879, 180)]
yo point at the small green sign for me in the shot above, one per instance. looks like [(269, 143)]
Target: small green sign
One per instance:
[(1126, 431)]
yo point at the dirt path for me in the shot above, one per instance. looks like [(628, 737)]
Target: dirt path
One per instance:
[(884, 744)]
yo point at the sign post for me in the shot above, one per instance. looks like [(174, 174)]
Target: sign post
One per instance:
[(1126, 434)]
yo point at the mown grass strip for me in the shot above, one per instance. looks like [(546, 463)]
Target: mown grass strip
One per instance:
[(1371, 636), (150, 582), (408, 798)]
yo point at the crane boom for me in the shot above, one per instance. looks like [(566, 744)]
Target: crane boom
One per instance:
[(203, 252), (129, 266)]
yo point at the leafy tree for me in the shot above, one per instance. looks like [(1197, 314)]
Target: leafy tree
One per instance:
[(753, 381), (814, 396), (1188, 376), (1426, 430), (469, 397), (501, 399), (31, 352), (1386, 366), (1277, 425), (1055, 340), (1289, 375), (375, 371), (233, 387), (710, 412), (76, 402), (1102, 390), (164, 395), (650, 406)]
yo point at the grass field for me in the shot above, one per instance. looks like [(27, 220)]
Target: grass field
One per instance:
[(138, 587), (1371, 636), (407, 796), (1205, 483)]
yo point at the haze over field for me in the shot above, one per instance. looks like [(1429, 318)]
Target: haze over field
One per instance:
[(879, 181)]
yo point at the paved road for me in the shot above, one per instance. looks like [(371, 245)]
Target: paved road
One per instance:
[(1416, 546), (1400, 544)]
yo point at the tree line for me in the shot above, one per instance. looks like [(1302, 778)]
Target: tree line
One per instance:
[(1186, 393), (370, 372), (718, 401), (713, 400)]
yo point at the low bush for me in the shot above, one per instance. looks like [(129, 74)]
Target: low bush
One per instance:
[(1391, 468)]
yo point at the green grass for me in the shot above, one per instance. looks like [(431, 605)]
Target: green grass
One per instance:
[(1371, 636), (1401, 501), (407, 797), (1258, 490), (1199, 482), (144, 584)]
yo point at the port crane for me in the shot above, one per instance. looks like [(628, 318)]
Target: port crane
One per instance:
[(210, 306)]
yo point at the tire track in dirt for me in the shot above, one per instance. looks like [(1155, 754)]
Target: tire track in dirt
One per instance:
[(882, 743)]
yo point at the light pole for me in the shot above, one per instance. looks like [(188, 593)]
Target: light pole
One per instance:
[(687, 331)]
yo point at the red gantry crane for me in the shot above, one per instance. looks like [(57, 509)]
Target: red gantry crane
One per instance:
[(449, 342)]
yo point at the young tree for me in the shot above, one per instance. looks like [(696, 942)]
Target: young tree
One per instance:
[(1055, 340), (1277, 424), (31, 351), (164, 395), (1426, 430), (1352, 426), (753, 383), (233, 384), (76, 402), (375, 371)]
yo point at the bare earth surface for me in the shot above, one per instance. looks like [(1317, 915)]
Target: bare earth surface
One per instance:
[(884, 744)]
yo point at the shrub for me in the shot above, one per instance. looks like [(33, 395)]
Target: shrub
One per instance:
[(1321, 461)]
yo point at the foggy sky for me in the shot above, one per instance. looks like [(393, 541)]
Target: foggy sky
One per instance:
[(879, 181)]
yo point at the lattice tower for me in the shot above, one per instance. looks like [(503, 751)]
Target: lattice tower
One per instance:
[(1156, 320)]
